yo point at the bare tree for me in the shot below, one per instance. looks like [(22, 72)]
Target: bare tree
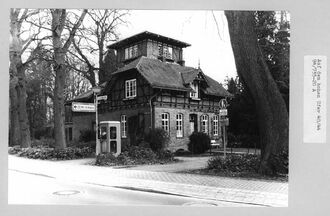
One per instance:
[(59, 19), (19, 125), (92, 39), (254, 72)]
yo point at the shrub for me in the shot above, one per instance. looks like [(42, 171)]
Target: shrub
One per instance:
[(87, 135), (14, 149), (46, 153), (134, 155), (182, 152), (158, 139), (78, 144), (199, 142), (280, 162), (143, 155), (235, 163), (165, 155), (43, 142)]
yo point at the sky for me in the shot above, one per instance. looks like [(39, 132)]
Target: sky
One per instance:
[(210, 45)]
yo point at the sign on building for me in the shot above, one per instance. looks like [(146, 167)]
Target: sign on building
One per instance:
[(83, 107), (223, 112), (223, 104), (103, 97)]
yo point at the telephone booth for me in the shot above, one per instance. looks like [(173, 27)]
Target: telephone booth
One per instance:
[(110, 138)]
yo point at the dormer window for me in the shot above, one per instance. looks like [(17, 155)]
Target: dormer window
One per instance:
[(195, 93), (131, 52)]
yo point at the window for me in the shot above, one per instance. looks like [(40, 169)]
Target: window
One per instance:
[(216, 125), (195, 93), (68, 134), (130, 88), (165, 51), (179, 124), (123, 120), (204, 123), (131, 52), (165, 122)]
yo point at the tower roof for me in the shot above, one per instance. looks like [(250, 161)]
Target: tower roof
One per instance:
[(148, 35)]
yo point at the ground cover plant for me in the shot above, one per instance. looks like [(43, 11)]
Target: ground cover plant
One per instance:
[(243, 166), (135, 155), (43, 149)]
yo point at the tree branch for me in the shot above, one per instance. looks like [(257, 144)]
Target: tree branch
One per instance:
[(73, 31)]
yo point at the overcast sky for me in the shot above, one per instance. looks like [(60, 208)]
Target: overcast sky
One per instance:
[(209, 45)]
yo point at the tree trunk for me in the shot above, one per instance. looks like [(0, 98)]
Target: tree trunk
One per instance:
[(22, 112), (59, 61), (253, 71), (14, 129), (58, 22), (18, 86), (59, 112)]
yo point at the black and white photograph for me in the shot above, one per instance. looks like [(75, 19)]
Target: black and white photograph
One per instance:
[(123, 107)]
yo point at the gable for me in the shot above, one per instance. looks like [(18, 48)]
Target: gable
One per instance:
[(171, 76)]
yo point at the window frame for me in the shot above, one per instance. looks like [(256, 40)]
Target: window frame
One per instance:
[(165, 122), (131, 52), (123, 123), (195, 86), (204, 123), (216, 125), (130, 89), (179, 125)]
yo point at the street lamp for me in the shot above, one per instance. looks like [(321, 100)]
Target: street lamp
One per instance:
[(96, 90)]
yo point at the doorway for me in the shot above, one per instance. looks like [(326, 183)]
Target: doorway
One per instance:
[(193, 122)]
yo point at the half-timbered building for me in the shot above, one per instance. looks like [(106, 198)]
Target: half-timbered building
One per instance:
[(153, 88)]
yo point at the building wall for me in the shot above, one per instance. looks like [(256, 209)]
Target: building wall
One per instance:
[(182, 142), (133, 134), (80, 122)]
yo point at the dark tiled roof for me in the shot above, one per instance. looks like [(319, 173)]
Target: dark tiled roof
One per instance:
[(171, 76), (147, 35)]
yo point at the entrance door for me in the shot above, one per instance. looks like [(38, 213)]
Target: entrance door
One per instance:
[(113, 139), (193, 122)]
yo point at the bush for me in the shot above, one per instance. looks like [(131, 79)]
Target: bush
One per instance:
[(43, 142), (134, 155), (182, 152), (158, 139), (165, 155), (280, 162), (78, 144), (14, 149), (199, 142), (87, 135), (235, 163), (45, 153)]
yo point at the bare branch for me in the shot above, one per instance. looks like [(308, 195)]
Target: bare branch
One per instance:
[(74, 29)]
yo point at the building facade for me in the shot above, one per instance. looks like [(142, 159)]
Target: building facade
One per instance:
[(153, 88)]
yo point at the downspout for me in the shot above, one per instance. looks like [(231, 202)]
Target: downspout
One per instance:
[(150, 103)]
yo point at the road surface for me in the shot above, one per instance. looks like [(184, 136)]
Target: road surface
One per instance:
[(29, 188)]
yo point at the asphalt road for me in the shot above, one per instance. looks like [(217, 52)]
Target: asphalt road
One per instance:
[(28, 188)]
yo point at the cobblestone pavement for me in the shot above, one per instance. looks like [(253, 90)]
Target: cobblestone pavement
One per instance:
[(264, 193)]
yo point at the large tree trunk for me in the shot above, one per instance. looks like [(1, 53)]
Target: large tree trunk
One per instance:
[(18, 86), (252, 69), (22, 112), (59, 62), (14, 129), (58, 22)]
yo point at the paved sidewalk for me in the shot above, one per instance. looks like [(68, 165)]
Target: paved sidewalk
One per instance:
[(264, 193)]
